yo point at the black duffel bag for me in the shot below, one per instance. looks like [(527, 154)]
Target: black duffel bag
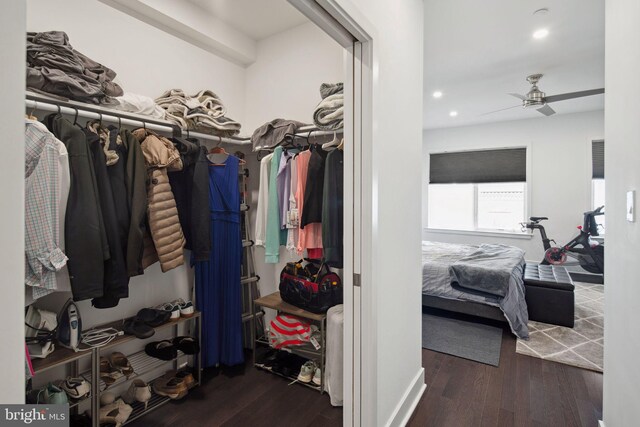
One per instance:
[(310, 288)]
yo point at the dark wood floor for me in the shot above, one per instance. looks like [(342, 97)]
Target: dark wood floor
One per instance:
[(522, 391), (245, 396)]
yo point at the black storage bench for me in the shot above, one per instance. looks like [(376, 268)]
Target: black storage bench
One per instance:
[(549, 294)]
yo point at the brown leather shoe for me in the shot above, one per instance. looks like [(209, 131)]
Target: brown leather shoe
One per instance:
[(173, 388), (184, 375)]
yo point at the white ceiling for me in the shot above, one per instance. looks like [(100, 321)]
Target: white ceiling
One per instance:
[(258, 19), (478, 51)]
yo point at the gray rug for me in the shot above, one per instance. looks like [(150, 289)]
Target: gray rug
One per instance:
[(473, 341), (582, 345)]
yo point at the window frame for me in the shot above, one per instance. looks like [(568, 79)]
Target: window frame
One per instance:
[(480, 232)]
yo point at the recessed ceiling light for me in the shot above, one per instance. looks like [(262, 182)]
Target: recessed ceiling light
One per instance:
[(540, 34), (437, 94), (453, 113)]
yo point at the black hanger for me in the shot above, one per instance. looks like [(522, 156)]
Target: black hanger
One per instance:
[(75, 119)]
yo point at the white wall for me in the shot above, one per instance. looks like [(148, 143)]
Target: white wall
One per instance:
[(559, 151), (393, 379), (12, 80), (622, 293), (285, 79), (148, 61)]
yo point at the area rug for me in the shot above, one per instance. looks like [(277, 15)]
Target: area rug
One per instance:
[(473, 341), (582, 346)]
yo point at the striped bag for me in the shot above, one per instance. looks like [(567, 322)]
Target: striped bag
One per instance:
[(287, 331)]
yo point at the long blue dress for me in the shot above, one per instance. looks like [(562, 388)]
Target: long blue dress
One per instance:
[(218, 289)]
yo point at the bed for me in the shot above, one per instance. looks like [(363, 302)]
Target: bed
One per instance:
[(481, 280)]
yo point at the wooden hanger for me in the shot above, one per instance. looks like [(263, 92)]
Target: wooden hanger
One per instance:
[(341, 145)]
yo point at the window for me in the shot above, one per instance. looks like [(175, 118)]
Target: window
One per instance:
[(597, 180), (478, 190)]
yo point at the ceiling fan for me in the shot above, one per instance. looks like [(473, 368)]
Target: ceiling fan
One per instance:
[(537, 99)]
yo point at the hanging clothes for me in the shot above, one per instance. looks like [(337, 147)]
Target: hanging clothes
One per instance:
[(85, 237), (116, 280), (309, 237), (218, 289), (284, 186), (275, 235), (46, 192), (164, 224), (292, 212), (333, 209), (136, 187), (190, 187), (263, 201), (313, 193)]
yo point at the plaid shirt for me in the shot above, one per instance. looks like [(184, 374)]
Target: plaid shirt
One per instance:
[(45, 160)]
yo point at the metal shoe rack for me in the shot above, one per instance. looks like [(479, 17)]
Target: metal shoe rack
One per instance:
[(142, 365)]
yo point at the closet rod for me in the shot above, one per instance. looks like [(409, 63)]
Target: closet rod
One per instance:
[(134, 120)]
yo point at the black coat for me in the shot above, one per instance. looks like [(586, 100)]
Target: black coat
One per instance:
[(85, 237), (116, 281), (190, 188), (136, 188)]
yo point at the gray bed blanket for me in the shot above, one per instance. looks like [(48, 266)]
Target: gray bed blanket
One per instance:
[(487, 270), (437, 258)]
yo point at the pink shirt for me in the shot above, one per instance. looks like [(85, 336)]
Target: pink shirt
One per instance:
[(309, 237)]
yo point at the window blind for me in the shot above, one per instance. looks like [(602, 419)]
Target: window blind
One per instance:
[(597, 159), (465, 167)]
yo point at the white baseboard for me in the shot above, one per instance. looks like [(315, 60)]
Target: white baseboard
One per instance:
[(600, 423), (409, 402)]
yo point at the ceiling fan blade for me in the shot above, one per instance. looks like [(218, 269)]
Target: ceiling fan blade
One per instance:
[(502, 109), (546, 110), (572, 95), (517, 95)]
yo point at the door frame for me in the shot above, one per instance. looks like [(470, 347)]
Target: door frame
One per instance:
[(342, 21)]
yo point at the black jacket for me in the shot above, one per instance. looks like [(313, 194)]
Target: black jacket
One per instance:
[(136, 188), (333, 209), (85, 238), (312, 211), (116, 281), (190, 188)]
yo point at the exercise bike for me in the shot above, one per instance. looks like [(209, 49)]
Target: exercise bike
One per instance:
[(589, 253)]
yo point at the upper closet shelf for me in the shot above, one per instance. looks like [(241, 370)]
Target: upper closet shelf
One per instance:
[(75, 109)]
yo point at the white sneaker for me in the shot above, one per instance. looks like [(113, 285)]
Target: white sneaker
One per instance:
[(186, 308), (171, 307), (138, 391), (317, 377), (306, 372), (76, 388)]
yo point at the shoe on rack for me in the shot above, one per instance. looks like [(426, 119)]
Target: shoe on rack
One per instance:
[(317, 377), (138, 391), (107, 398), (138, 328), (187, 345), (186, 308), (116, 413), (307, 371), (120, 362), (172, 308), (173, 388), (76, 388), (153, 317), (183, 375), (163, 350), (52, 395), (108, 373), (80, 420)]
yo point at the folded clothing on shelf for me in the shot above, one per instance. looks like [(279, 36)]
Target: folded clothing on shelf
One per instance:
[(329, 114), (54, 66), (202, 112)]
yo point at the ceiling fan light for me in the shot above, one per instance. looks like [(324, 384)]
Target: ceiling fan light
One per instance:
[(437, 94), (453, 114), (540, 34)]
